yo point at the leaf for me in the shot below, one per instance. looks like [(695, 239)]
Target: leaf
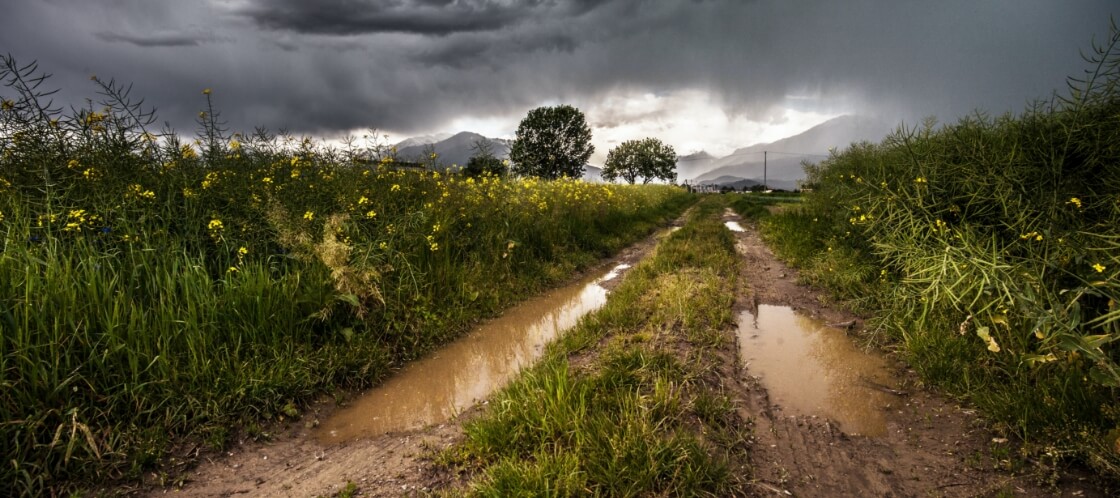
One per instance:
[(350, 298), (1001, 320), (347, 333), (1100, 376), (1038, 359), (993, 346)]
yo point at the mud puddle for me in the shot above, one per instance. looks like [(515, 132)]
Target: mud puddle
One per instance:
[(434, 389), (810, 368)]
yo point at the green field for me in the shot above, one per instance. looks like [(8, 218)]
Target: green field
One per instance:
[(157, 291)]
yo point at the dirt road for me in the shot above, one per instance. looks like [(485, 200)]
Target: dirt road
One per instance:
[(931, 446)]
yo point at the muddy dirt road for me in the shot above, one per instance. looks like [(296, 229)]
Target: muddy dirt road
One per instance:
[(928, 446), (330, 445), (918, 443)]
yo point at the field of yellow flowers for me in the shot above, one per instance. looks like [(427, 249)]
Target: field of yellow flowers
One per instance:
[(156, 290)]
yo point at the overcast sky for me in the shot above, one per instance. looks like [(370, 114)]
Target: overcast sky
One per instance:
[(699, 74)]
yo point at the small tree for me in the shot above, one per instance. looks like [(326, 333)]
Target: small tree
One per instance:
[(648, 159), (552, 142), (483, 161)]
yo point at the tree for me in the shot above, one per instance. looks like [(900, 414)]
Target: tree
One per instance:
[(552, 142), (483, 161), (648, 159)]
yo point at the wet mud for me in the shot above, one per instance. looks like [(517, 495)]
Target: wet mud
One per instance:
[(385, 447), (810, 368), (828, 421), (451, 380)]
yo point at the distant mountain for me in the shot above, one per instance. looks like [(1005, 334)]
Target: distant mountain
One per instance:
[(782, 159), (693, 164), (423, 140), (454, 150)]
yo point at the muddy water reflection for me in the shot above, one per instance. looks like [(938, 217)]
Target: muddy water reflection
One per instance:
[(812, 369), (433, 389)]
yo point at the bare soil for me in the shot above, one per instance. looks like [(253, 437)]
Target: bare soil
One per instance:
[(933, 446)]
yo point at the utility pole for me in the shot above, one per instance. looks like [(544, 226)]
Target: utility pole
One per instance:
[(764, 171)]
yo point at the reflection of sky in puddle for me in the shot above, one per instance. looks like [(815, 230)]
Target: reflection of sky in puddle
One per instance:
[(613, 273), (734, 226), (434, 389), (812, 369)]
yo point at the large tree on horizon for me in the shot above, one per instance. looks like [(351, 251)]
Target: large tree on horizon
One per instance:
[(647, 159), (552, 142)]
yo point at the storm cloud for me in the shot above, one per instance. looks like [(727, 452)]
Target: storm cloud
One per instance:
[(413, 66)]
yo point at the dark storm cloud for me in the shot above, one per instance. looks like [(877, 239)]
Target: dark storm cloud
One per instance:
[(424, 17), (413, 65), (160, 39)]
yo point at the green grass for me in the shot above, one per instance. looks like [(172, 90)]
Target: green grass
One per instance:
[(990, 249), (642, 414), (156, 292)]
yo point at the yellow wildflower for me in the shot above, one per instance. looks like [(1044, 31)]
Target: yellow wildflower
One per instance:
[(206, 91), (1075, 201), (1099, 267), (371, 214), (241, 251), (215, 225), (309, 215)]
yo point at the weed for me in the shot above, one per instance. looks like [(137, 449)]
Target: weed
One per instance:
[(990, 249)]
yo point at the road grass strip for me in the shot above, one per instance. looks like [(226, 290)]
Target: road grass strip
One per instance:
[(628, 402)]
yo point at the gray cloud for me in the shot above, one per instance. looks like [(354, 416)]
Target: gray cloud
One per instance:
[(189, 38), (414, 65), (423, 17)]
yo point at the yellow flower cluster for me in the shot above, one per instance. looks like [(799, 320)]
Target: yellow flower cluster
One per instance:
[(138, 192)]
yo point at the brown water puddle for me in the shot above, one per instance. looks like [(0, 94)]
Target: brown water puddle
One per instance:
[(434, 389), (810, 368)]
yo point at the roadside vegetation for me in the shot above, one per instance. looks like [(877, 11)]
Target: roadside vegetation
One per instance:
[(156, 291), (627, 403), (989, 251)]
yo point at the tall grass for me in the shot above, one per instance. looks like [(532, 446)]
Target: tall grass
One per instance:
[(153, 290), (643, 415), (991, 248)]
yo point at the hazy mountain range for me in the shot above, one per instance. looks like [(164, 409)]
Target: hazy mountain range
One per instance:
[(780, 161), (742, 168)]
